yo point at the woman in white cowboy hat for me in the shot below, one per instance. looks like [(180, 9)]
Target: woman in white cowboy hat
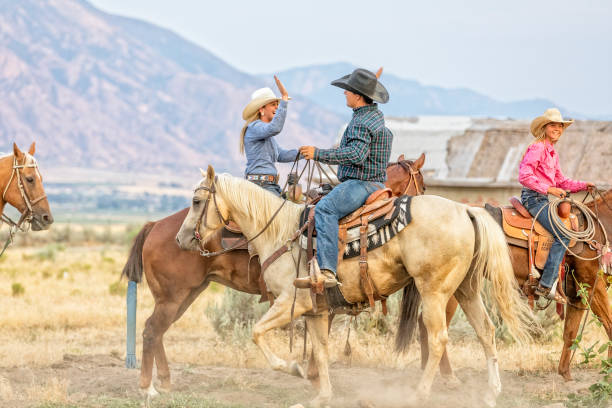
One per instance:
[(540, 174), (265, 117)]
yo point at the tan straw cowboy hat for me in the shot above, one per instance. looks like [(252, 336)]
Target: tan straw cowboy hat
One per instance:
[(259, 98), (551, 115)]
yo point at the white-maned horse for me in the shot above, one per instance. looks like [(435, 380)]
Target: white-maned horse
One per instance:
[(446, 249)]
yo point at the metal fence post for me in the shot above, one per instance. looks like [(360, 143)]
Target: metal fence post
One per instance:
[(130, 359)]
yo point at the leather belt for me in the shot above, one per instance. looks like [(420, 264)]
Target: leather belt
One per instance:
[(266, 178)]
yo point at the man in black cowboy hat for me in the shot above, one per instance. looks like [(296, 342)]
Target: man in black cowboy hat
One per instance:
[(362, 157)]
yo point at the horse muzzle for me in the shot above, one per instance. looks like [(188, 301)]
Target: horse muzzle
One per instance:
[(41, 221)]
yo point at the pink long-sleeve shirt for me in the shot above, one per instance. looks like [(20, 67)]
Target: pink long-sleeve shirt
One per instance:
[(540, 170)]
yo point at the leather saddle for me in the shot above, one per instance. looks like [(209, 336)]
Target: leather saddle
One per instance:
[(380, 204), (517, 222)]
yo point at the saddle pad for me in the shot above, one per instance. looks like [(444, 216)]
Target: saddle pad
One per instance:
[(380, 230)]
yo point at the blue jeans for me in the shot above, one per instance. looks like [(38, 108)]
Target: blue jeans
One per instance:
[(273, 188), (345, 198), (534, 201)]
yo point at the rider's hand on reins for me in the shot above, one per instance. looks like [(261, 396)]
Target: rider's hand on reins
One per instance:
[(558, 192)]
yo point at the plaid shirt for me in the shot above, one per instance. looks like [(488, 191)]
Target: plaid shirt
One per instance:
[(365, 147)]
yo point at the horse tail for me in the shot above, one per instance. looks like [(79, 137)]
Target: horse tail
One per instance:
[(411, 299), (133, 267), (492, 260)]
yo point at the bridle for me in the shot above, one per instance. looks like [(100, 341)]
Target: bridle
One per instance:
[(405, 164), (203, 215), (196, 232), (28, 213)]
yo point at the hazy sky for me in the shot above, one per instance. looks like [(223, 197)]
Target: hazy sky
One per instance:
[(561, 50)]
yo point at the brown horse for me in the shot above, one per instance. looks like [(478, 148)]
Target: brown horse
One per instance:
[(585, 272), (22, 187), (176, 277)]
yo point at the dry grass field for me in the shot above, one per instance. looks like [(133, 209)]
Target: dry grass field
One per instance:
[(62, 343)]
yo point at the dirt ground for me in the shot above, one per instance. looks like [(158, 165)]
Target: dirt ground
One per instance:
[(103, 381)]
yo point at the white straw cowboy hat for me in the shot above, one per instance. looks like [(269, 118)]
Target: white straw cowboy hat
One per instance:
[(259, 98), (551, 115)]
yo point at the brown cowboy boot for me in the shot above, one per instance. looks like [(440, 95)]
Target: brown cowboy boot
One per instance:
[(329, 280), (545, 292)]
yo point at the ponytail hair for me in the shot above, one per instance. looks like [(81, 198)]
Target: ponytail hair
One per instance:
[(249, 120), (539, 137)]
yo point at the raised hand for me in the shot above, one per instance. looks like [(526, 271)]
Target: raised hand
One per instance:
[(281, 89)]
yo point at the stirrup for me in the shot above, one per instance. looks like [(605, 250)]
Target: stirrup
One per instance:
[(545, 292), (329, 280)]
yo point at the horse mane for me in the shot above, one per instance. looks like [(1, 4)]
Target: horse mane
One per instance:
[(259, 206)]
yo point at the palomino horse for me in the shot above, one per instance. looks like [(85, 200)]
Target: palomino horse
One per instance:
[(176, 277), (447, 248), (22, 187), (585, 272)]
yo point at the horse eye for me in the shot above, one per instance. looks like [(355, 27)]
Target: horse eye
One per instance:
[(196, 201), (30, 179)]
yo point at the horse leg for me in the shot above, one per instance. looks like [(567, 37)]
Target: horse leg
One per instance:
[(473, 307), (573, 317), (445, 367), (313, 372), (156, 325), (279, 315), (423, 341), (437, 337), (318, 330), (171, 313), (600, 304)]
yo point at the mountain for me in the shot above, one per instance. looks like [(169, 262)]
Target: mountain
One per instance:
[(106, 92), (407, 97)]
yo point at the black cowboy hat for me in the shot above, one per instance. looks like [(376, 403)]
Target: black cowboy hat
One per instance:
[(364, 82)]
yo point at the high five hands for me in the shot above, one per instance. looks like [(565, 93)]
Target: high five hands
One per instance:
[(281, 89)]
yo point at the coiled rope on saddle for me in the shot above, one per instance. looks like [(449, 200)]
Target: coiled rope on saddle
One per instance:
[(560, 230)]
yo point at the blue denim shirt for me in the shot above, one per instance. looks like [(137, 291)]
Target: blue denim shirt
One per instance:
[(260, 146)]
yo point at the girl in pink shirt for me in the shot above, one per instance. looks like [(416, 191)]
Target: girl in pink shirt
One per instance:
[(540, 174)]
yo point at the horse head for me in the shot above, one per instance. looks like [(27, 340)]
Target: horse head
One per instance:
[(404, 177), (207, 214), (24, 188)]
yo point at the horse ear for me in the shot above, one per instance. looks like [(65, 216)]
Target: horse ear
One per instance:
[(400, 158), (420, 161), (203, 172), (18, 153), (32, 149), (210, 173), (379, 72)]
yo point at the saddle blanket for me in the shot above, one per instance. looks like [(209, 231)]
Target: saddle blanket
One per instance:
[(380, 230)]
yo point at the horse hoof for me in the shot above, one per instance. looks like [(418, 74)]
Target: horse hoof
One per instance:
[(320, 402), (165, 386), (489, 399), (451, 381), (297, 370), (149, 394)]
